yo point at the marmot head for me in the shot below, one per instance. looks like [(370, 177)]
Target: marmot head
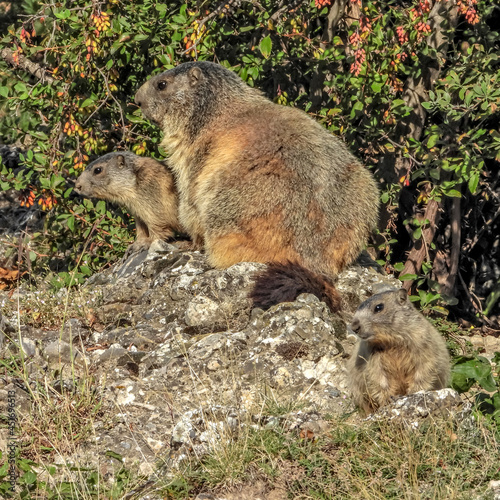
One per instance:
[(184, 99), (111, 177), (381, 313)]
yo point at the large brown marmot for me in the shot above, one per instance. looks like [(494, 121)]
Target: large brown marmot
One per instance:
[(144, 186), (399, 351), (257, 181)]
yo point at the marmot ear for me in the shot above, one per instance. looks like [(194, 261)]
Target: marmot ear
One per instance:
[(121, 161), (195, 75), (402, 296)]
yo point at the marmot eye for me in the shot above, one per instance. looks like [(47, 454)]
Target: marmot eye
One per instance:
[(378, 308), (97, 170), (162, 84)]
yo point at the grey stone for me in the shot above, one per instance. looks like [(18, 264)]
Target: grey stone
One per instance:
[(202, 311), (73, 330), (61, 353), (493, 491), (414, 408), (28, 347), (112, 352)]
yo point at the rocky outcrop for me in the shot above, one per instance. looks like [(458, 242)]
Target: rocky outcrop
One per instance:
[(181, 360)]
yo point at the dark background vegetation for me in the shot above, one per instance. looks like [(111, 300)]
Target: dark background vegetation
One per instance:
[(412, 87)]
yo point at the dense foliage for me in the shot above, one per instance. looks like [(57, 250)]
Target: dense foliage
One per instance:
[(413, 87)]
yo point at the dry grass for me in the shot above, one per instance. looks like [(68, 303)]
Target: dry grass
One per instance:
[(440, 460)]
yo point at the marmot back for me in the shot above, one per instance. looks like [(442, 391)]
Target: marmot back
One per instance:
[(144, 186), (399, 351), (258, 181)]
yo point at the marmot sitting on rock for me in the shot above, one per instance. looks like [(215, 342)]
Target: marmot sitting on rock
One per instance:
[(260, 182), (399, 351), (144, 186)]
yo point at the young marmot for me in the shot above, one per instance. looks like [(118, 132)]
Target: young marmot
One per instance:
[(257, 181), (399, 351), (144, 186)]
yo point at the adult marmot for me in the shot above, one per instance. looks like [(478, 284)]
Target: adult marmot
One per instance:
[(257, 181), (399, 351), (144, 186)]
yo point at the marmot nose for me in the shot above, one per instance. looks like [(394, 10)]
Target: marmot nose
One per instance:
[(137, 98), (355, 325)]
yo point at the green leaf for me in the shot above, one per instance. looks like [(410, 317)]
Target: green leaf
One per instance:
[(112, 454), (39, 135), (4, 91), (71, 223), (63, 14), (417, 234), (135, 119), (460, 382), (473, 182), (266, 45), (28, 477), (475, 370), (87, 102), (357, 107), (408, 277), (86, 270), (453, 193), (399, 266), (431, 142), (377, 87)]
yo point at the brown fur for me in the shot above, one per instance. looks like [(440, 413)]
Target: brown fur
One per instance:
[(144, 186), (285, 282), (258, 181), (399, 351)]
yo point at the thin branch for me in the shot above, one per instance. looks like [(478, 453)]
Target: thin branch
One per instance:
[(24, 63), (105, 100), (480, 233), (394, 143), (478, 308), (122, 118)]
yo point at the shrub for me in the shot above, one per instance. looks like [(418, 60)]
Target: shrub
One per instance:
[(412, 87)]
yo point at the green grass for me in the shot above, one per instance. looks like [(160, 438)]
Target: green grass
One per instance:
[(355, 460)]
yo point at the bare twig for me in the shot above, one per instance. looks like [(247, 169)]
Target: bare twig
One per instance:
[(282, 8), (394, 143), (480, 233), (476, 304), (122, 118), (105, 100)]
